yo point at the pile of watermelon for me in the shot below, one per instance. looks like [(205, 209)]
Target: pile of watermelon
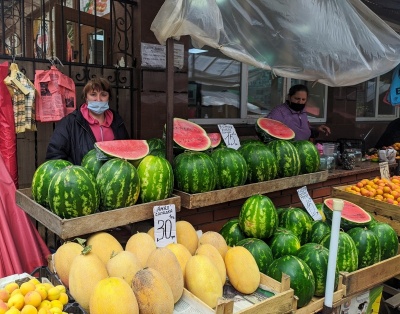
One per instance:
[(288, 240)]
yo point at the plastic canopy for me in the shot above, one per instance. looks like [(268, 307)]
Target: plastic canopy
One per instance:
[(335, 42)]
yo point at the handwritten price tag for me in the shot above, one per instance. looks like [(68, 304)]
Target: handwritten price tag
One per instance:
[(384, 168), (229, 135), (164, 224), (308, 203)]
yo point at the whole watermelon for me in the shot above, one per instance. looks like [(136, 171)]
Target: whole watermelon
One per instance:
[(260, 251), (155, 143), (231, 232), (287, 158), (231, 167), (42, 177), (73, 192), (368, 246), (301, 277), (194, 172), (258, 217), (388, 239), (156, 179), (284, 242), (347, 254), (298, 221), (91, 162), (309, 156), (316, 257), (119, 184), (319, 229), (261, 162)]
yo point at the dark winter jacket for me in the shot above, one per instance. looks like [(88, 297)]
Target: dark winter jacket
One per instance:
[(73, 138)]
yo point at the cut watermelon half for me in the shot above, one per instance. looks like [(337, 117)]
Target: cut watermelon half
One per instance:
[(269, 129), (125, 149), (190, 136), (215, 139), (352, 214)]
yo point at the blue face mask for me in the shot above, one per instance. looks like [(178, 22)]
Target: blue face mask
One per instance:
[(98, 107)]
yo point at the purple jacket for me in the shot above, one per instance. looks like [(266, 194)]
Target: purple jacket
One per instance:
[(296, 120)]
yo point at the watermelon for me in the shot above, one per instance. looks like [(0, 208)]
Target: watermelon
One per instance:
[(156, 179), (91, 162), (309, 156), (124, 149), (319, 229), (258, 217), (284, 242), (73, 192), (42, 177), (155, 143), (347, 256), (368, 246), (301, 277), (287, 158), (269, 129), (194, 172), (119, 184), (261, 162), (316, 257), (231, 232), (387, 237), (352, 214), (298, 221), (260, 251), (231, 167), (215, 139), (160, 152), (188, 135)]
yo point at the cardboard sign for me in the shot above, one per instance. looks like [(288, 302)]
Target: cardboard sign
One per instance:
[(384, 168), (308, 203), (164, 224), (229, 135)]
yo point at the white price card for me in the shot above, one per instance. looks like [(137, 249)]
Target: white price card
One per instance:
[(308, 203), (229, 135), (384, 168), (164, 224)]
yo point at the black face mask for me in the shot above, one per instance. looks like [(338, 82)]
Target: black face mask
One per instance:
[(296, 107)]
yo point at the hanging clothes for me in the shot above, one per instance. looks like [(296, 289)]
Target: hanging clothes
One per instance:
[(22, 93)]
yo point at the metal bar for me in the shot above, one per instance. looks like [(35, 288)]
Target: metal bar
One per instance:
[(170, 98)]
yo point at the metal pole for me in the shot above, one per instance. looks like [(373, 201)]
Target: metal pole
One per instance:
[(170, 99)]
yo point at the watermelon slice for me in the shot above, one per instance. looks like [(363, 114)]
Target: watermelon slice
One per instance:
[(269, 129), (125, 149), (352, 214), (215, 139), (190, 136)]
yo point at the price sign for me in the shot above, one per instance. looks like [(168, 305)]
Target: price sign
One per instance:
[(308, 203), (229, 135), (164, 224), (384, 168)]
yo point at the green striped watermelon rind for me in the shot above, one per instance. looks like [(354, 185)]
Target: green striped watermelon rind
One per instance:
[(284, 242), (269, 129), (368, 246), (319, 229), (387, 237), (231, 232), (298, 221), (309, 156), (287, 158), (260, 251), (91, 162), (124, 149)]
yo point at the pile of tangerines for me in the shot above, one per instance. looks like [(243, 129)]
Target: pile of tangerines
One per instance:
[(381, 189)]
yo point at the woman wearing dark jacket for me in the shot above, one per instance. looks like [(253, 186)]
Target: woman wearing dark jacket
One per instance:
[(92, 122)]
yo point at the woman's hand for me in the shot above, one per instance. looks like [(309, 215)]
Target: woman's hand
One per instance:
[(324, 129)]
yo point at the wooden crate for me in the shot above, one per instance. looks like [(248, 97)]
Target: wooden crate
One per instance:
[(225, 195), (69, 228)]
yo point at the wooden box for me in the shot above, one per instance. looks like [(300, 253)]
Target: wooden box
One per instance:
[(247, 190), (69, 228)]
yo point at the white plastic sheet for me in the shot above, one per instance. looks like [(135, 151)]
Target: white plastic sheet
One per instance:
[(334, 42)]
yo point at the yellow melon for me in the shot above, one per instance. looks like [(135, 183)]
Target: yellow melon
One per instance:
[(186, 235), (215, 239), (153, 294), (113, 295), (104, 245), (63, 258), (203, 279), (141, 244), (242, 270), (181, 253), (151, 232), (214, 255), (86, 271), (123, 265)]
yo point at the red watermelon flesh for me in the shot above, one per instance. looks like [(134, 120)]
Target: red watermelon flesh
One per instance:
[(124, 149), (215, 139), (273, 128), (190, 136)]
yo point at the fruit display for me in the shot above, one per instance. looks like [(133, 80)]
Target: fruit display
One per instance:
[(133, 150), (287, 158)]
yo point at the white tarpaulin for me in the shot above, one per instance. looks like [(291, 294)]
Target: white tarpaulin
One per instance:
[(334, 42)]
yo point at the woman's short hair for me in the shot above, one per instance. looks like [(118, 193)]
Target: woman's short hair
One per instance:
[(298, 88), (97, 84)]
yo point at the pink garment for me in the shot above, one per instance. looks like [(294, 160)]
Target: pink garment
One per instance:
[(21, 247), (101, 132)]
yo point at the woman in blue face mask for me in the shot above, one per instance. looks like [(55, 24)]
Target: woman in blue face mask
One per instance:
[(92, 122)]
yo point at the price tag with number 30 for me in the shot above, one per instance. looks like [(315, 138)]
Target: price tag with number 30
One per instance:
[(164, 224)]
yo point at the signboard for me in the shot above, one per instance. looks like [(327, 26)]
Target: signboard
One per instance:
[(308, 203), (155, 56), (229, 135), (164, 224)]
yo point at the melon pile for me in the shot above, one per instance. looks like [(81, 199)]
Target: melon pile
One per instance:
[(288, 240), (105, 277)]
